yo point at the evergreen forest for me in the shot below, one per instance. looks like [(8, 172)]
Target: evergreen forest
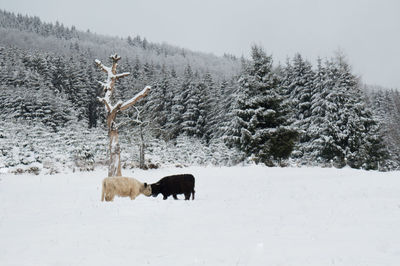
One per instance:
[(202, 109)]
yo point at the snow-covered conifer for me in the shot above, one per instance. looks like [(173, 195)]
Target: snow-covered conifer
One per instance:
[(342, 128), (297, 85), (261, 118)]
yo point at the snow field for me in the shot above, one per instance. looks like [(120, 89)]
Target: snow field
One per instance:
[(240, 216)]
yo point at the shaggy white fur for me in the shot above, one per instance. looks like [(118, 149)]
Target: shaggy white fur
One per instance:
[(123, 187)]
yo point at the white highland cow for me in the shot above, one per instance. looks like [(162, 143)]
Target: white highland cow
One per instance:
[(123, 187)]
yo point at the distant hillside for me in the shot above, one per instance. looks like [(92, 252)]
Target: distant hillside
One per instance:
[(27, 32)]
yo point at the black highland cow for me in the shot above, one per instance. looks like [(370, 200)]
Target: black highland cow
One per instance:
[(173, 185)]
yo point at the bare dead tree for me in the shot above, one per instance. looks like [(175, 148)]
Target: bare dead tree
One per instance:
[(144, 126), (139, 121), (112, 110)]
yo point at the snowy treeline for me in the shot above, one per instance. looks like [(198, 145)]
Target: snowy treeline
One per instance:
[(30, 33), (199, 103), (324, 105), (49, 83), (386, 107), (45, 92)]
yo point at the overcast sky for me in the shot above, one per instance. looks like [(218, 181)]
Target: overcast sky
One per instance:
[(368, 31)]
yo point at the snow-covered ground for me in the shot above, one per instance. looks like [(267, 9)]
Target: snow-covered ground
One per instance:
[(241, 216)]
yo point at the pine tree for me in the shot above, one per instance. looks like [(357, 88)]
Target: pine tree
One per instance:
[(298, 85), (343, 130), (77, 87), (173, 106), (261, 118), (385, 110), (59, 76), (158, 105), (208, 107), (227, 106), (191, 103)]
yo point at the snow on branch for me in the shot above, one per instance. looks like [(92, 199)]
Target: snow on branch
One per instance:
[(103, 100), (136, 98), (115, 57), (112, 76), (108, 87), (121, 106), (102, 67), (138, 120), (117, 76)]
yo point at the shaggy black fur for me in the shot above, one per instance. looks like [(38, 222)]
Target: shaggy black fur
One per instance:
[(173, 185)]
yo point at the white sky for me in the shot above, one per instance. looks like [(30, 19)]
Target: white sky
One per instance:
[(368, 31)]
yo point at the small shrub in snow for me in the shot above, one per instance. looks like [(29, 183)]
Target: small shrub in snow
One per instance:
[(33, 170), (84, 159)]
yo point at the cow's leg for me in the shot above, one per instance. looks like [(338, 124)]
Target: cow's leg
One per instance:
[(175, 197), (187, 196), (109, 197), (165, 197)]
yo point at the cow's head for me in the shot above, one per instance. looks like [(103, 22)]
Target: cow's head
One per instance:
[(146, 190), (155, 189)]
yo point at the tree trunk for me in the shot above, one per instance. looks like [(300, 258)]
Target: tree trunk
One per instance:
[(114, 168), (141, 155), (141, 159)]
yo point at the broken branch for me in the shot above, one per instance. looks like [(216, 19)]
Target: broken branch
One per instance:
[(135, 99)]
